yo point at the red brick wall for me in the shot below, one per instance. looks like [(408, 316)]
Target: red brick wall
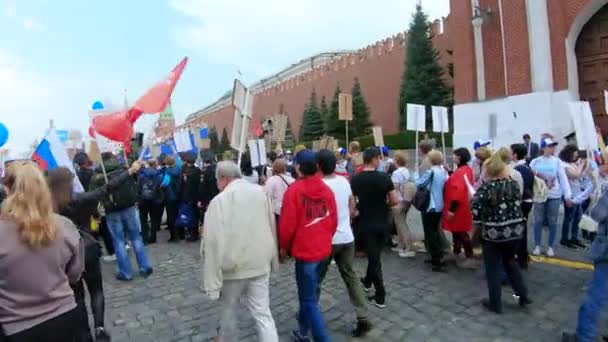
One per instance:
[(518, 48), (492, 51), (460, 28), (379, 68)]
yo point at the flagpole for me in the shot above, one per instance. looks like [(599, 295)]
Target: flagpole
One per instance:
[(244, 127), (103, 167)]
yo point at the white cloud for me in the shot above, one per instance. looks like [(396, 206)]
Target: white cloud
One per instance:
[(262, 36), (32, 25), (10, 10)]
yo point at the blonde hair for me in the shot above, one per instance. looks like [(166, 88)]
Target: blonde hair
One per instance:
[(29, 204), (279, 166), (400, 159), (354, 146), (435, 157), (483, 153), (495, 165)]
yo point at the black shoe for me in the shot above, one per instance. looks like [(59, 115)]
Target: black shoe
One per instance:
[(101, 335), (486, 304), (192, 239), (173, 239), (366, 288), (428, 261), (568, 244), (298, 337), (524, 301), (146, 273), (121, 277), (578, 243), (439, 267), (362, 328), (377, 302), (567, 337)]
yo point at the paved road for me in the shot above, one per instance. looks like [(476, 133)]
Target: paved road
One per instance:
[(422, 306)]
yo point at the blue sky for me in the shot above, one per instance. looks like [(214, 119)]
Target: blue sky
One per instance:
[(58, 56)]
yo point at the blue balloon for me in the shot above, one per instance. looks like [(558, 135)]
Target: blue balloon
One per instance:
[(97, 105), (3, 134)]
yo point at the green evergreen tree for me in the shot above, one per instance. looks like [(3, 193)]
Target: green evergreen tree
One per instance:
[(312, 124), (224, 142), (214, 141), (324, 113), (361, 113), (422, 81), (290, 139)]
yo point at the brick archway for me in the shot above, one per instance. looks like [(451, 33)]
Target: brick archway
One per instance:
[(592, 58)]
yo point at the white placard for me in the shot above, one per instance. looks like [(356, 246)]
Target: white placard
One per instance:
[(182, 141), (440, 119), (239, 91), (416, 117), (606, 102), (378, 136), (582, 118), (257, 151)]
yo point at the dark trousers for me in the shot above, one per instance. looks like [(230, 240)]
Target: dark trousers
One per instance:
[(432, 236), (522, 249), (106, 236), (461, 241), (374, 241), (172, 208), (572, 217), (154, 212), (93, 280), (62, 328), (499, 256), (344, 256)]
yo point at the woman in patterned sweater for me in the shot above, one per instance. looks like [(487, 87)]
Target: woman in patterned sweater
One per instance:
[(497, 212)]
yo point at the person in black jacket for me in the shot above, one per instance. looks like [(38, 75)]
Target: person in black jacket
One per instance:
[(190, 192), (518, 154), (150, 201), (208, 189), (79, 208)]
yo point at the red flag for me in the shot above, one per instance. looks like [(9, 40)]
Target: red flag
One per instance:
[(116, 126), (156, 98)]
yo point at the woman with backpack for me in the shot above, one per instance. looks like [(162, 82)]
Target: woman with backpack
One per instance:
[(79, 208)]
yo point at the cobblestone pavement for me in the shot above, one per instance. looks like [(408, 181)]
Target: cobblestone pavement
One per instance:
[(422, 306)]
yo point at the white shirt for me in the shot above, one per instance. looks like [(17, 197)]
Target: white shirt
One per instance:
[(275, 187), (342, 192), (400, 178)]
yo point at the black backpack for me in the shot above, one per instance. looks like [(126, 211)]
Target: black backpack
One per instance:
[(122, 197)]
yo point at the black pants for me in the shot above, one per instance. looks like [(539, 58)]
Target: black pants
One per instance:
[(151, 210), (105, 236), (432, 237), (92, 278), (498, 256), (172, 208), (462, 240), (374, 241), (522, 249), (63, 328)]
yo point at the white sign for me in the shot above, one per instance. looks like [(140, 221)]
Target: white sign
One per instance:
[(378, 136), (257, 150), (242, 99), (440, 120), (182, 141), (586, 136), (416, 117)]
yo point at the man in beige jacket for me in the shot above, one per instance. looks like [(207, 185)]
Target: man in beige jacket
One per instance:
[(239, 250)]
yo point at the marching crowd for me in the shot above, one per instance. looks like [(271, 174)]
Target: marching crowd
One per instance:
[(317, 208)]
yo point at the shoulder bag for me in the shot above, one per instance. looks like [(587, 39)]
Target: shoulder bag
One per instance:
[(422, 198)]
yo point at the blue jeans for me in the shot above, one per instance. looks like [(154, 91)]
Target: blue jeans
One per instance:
[(572, 217), (309, 317), (119, 222), (596, 298), (546, 212)]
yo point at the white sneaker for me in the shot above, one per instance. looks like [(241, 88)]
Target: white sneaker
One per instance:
[(128, 247), (550, 252), (397, 249), (536, 251), (407, 254), (109, 258)]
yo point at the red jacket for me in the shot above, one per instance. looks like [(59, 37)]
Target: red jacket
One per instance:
[(308, 219), (455, 190)]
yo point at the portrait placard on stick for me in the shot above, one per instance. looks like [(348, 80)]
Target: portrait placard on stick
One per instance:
[(345, 111), (378, 136)]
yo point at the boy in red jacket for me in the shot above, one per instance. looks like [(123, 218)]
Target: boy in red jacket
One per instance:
[(307, 224)]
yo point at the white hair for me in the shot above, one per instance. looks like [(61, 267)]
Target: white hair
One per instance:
[(227, 169)]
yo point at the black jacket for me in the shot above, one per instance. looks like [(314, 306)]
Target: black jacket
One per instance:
[(119, 198), (208, 189), (85, 175), (192, 182)]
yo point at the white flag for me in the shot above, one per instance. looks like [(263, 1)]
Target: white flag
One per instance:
[(440, 120), (416, 115), (257, 150), (606, 102), (182, 141)]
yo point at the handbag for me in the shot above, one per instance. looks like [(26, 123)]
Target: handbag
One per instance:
[(422, 198), (185, 216)]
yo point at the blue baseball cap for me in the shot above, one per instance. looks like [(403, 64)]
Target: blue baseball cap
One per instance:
[(481, 143), (547, 142), (306, 156)]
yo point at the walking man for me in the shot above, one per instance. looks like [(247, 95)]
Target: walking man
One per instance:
[(239, 251), (307, 224), (343, 243), (376, 194)]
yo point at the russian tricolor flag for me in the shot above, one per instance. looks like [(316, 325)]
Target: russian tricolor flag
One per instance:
[(51, 154)]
